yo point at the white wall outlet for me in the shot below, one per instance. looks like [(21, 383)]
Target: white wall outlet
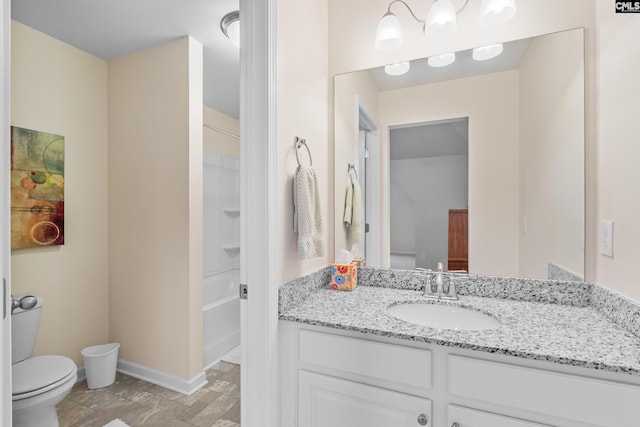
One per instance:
[(606, 238)]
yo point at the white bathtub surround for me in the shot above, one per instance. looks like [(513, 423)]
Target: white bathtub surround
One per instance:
[(234, 356), (221, 303), (221, 315)]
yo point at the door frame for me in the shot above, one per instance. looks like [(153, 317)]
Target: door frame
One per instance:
[(259, 313), (5, 232), (373, 196), (258, 222)]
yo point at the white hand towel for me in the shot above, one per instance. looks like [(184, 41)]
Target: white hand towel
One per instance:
[(357, 217), (348, 203), (307, 215), (353, 209)]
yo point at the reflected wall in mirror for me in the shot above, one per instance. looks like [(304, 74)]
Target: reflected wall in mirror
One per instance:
[(525, 112)]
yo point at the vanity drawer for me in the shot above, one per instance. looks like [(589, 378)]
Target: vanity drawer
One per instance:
[(368, 360), (466, 417), (587, 400)]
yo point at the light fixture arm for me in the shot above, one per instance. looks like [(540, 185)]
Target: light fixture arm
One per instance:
[(462, 7), (422, 21)]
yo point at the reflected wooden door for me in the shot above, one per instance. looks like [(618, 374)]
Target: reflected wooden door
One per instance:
[(458, 240)]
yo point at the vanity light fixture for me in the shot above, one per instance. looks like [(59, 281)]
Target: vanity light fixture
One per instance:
[(441, 60), (230, 26), (487, 52), (441, 21), (496, 12), (397, 69)]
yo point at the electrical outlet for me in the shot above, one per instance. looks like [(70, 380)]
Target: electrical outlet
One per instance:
[(606, 238)]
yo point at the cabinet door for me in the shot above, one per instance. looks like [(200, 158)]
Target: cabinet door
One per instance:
[(332, 402), (465, 417)]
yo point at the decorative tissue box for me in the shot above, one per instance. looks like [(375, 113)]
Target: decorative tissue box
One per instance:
[(359, 262), (344, 277)]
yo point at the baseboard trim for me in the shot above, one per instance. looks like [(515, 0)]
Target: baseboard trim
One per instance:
[(162, 379)]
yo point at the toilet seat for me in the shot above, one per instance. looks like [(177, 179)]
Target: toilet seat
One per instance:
[(40, 374)]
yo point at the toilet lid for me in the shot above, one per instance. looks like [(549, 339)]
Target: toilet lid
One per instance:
[(39, 372)]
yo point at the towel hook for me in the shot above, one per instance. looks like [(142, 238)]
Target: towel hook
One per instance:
[(299, 142), (352, 167)]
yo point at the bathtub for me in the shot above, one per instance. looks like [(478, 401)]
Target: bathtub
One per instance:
[(221, 315)]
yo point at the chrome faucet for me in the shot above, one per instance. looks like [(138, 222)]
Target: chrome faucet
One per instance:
[(439, 292)]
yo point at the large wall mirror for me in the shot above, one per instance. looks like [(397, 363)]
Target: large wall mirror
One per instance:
[(478, 165)]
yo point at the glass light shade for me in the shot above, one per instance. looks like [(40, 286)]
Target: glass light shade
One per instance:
[(496, 12), (389, 33), (487, 52), (441, 60), (233, 32), (397, 69), (441, 19), (230, 26)]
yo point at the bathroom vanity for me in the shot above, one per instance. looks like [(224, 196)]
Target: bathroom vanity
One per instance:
[(345, 361)]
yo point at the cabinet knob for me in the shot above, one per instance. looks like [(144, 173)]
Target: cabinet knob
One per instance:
[(455, 425), (423, 420)]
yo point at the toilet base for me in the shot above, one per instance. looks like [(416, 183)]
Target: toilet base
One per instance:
[(32, 417), (40, 410)]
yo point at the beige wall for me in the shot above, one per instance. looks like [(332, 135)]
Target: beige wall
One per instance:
[(302, 110), (59, 89), (352, 90), (552, 154), (493, 158), (219, 140), (618, 90), (155, 207)]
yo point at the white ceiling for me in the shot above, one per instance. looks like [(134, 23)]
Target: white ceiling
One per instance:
[(464, 66), (112, 28), (433, 139), (448, 137)]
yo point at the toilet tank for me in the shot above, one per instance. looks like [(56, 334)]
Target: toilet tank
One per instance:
[(24, 329)]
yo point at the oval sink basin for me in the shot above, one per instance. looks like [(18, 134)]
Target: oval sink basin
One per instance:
[(443, 316)]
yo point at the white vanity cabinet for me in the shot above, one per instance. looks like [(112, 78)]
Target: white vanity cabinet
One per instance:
[(325, 401), (336, 378)]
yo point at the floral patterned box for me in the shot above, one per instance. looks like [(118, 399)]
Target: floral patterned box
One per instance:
[(344, 277)]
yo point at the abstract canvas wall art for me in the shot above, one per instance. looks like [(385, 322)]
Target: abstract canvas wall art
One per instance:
[(37, 188)]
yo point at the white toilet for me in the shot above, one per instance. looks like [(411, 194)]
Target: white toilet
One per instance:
[(39, 383)]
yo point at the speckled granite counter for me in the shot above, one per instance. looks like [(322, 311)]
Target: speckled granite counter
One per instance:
[(577, 334)]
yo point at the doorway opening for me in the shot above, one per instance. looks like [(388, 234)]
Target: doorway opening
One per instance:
[(428, 194)]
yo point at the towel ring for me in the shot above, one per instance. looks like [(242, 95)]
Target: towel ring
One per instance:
[(299, 142)]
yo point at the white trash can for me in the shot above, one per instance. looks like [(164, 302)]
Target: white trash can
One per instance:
[(100, 362)]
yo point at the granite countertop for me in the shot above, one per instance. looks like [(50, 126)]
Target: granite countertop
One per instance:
[(571, 335)]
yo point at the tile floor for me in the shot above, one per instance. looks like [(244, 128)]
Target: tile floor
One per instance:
[(139, 403)]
